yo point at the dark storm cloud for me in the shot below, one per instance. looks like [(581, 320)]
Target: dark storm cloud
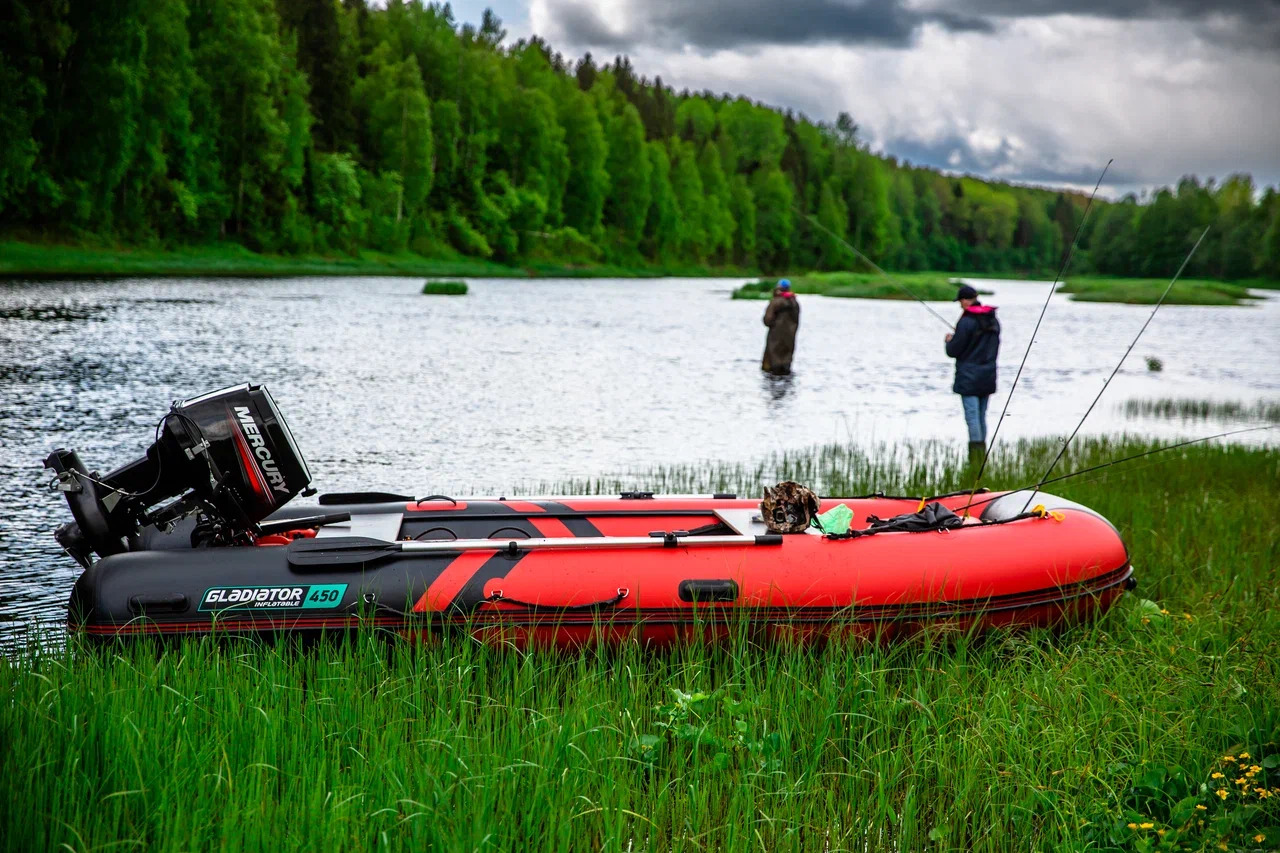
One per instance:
[(955, 154), (1254, 10), (724, 24), (1246, 23), (728, 24)]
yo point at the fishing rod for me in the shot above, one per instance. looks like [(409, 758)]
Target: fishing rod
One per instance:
[(1066, 259), (873, 265), (1108, 464), (1132, 344)]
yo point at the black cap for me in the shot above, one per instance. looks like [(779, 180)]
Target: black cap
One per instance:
[(966, 292)]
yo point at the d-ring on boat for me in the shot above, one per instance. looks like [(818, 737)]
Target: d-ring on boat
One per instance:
[(195, 538)]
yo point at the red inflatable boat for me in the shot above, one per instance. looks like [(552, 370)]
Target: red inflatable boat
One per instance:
[(223, 557)]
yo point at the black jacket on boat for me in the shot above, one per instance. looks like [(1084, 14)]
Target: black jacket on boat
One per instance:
[(974, 346)]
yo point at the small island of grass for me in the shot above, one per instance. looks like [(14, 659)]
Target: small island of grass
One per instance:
[(445, 288), (1146, 291), (931, 287)]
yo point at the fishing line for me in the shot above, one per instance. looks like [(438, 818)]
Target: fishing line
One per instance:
[(1108, 464), (873, 265), (1132, 344), (1066, 259)]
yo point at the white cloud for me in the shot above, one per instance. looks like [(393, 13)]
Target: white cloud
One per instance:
[(1042, 99)]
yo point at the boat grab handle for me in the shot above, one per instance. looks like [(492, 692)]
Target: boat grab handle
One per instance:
[(497, 596)]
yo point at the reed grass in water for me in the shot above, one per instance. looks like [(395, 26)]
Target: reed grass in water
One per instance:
[(445, 288), (1156, 728), (1263, 411)]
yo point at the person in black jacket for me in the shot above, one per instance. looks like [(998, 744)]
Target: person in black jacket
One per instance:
[(974, 345), (782, 316)]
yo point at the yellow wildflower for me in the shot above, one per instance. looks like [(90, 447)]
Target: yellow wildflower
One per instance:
[(1228, 758), (1222, 845), (1146, 621), (1259, 838), (1133, 826), (1201, 808), (1262, 793), (1146, 826), (1223, 793), (1164, 612), (1244, 755), (1161, 832), (1242, 781), (1187, 616), (1216, 776)]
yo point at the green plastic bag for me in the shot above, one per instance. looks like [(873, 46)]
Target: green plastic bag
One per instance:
[(835, 520)]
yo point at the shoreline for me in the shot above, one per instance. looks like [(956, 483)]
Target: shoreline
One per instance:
[(24, 261), (35, 261)]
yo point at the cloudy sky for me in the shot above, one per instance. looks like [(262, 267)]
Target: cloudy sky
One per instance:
[(1040, 91)]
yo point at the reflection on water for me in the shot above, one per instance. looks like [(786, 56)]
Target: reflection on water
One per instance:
[(547, 380), (777, 387)]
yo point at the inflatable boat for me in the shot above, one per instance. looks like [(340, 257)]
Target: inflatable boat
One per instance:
[(194, 538)]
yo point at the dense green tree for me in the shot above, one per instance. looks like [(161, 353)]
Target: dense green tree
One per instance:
[(686, 184), (161, 190), (398, 126), (775, 222), (833, 215), (1269, 257), (328, 59), (742, 206), (588, 182), (662, 223), (627, 205), (246, 79), (755, 133), (695, 120), (304, 125), (717, 204)]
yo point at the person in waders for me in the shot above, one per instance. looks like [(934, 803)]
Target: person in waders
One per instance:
[(783, 319), (974, 345)]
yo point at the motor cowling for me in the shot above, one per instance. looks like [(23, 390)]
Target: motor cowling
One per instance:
[(228, 456)]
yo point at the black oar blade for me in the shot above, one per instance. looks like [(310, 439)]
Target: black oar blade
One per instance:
[(339, 552)]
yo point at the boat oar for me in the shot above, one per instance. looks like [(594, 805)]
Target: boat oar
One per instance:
[(341, 552), (354, 551)]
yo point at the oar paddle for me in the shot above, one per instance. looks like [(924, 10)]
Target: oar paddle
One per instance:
[(341, 552), (354, 551)]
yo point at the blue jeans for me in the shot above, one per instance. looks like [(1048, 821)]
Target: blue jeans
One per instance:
[(975, 415)]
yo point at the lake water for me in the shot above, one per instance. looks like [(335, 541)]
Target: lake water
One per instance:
[(533, 381)]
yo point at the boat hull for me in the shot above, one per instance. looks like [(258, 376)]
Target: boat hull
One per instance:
[(491, 578)]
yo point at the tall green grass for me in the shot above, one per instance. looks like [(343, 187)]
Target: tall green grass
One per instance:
[(1010, 742)]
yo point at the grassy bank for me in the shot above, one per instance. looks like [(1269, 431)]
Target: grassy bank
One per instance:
[(1146, 291), (928, 286), (32, 260), (1106, 737)]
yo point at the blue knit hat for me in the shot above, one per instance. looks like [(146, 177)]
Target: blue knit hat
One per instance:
[(784, 284)]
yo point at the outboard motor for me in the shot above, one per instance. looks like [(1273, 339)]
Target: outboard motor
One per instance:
[(226, 457)]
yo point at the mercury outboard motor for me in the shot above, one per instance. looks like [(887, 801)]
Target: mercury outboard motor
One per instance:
[(226, 457)]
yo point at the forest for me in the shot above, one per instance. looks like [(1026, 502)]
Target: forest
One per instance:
[(303, 126)]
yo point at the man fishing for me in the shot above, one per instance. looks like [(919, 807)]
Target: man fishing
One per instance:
[(783, 319), (974, 345)]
